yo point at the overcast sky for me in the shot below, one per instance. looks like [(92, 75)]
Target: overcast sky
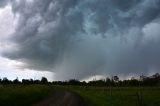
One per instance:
[(64, 39)]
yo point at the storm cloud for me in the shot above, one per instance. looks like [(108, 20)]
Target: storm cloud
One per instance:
[(81, 38), (3, 3)]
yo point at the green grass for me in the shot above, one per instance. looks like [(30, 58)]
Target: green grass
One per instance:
[(25, 95), (22, 95), (124, 96)]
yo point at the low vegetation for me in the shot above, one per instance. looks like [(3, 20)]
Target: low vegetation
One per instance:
[(118, 96), (22, 95)]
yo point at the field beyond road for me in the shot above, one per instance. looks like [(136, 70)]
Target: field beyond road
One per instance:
[(118, 96)]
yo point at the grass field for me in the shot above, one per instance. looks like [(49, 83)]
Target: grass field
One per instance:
[(22, 95), (25, 95), (124, 96)]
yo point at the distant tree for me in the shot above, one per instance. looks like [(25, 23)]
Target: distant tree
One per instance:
[(108, 81), (74, 82), (134, 82), (142, 78), (60, 82), (25, 81), (16, 81), (157, 78), (115, 78), (44, 80), (156, 75), (6, 81), (97, 83), (36, 81), (31, 81)]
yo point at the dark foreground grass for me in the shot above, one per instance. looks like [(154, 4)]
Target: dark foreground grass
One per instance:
[(22, 95), (124, 96)]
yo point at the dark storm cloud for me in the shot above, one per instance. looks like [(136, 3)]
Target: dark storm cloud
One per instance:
[(77, 38), (44, 31), (3, 3)]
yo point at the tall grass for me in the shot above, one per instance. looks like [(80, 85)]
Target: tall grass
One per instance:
[(123, 96), (22, 95)]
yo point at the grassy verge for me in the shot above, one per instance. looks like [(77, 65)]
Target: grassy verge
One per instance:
[(22, 95), (127, 96)]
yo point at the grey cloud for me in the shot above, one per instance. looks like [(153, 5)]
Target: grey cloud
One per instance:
[(75, 38), (3, 3)]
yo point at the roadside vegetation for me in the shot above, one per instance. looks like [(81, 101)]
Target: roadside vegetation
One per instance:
[(22, 95)]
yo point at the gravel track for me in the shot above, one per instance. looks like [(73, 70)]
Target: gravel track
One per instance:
[(62, 97)]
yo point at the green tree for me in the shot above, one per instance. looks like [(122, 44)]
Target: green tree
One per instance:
[(44, 80)]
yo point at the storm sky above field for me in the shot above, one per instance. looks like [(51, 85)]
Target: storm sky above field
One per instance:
[(79, 38)]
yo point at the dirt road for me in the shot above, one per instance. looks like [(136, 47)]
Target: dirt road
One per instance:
[(62, 98)]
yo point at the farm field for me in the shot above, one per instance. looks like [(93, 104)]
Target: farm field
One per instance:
[(22, 95), (114, 96)]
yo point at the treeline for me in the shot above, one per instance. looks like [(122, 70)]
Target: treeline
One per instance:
[(5, 81), (153, 80)]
